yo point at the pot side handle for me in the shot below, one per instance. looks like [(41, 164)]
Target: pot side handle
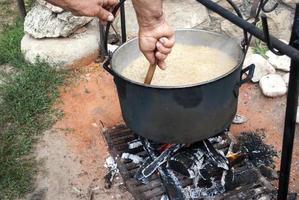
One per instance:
[(248, 73), (106, 65)]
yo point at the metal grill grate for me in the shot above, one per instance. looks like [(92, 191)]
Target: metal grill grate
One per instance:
[(250, 184)]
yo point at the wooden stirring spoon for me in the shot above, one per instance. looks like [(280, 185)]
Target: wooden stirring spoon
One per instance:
[(150, 74)]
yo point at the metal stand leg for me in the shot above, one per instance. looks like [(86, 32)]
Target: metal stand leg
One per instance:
[(123, 23), (290, 120), (102, 42)]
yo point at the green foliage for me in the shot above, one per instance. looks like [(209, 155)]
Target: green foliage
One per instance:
[(260, 48), (26, 99), (29, 3), (10, 49)]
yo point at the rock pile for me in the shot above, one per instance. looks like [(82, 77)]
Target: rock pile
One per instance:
[(57, 37), (262, 66), (271, 72)]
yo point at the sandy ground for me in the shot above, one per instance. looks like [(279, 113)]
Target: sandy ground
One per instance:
[(73, 151)]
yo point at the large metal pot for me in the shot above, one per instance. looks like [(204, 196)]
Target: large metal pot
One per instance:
[(182, 114)]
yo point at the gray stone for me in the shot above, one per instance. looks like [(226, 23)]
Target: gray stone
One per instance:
[(297, 117), (78, 50), (179, 14), (42, 22), (226, 5), (262, 67), (279, 62), (273, 85), (231, 29), (53, 8), (291, 3), (239, 119), (280, 22), (286, 78)]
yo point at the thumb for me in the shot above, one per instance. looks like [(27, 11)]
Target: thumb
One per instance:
[(105, 15)]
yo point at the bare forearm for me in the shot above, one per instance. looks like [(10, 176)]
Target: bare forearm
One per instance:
[(149, 12), (91, 8), (65, 4)]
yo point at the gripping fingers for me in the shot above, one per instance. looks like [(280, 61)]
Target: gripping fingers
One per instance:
[(161, 60), (105, 15), (160, 56), (161, 64), (162, 48), (167, 42)]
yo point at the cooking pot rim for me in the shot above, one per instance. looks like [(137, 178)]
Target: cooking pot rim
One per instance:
[(239, 64)]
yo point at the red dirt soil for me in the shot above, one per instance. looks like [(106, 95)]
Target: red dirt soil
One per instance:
[(89, 105), (267, 115)]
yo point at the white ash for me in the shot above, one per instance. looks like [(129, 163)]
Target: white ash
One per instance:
[(113, 171), (198, 164), (224, 174), (135, 144), (217, 139), (221, 164), (164, 197), (197, 193), (110, 163), (194, 170), (135, 158)]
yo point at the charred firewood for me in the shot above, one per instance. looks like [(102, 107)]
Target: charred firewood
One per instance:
[(187, 162), (200, 159)]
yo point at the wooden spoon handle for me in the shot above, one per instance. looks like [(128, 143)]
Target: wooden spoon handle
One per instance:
[(150, 73)]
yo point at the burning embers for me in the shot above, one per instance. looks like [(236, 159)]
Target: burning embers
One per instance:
[(210, 168), (199, 162)]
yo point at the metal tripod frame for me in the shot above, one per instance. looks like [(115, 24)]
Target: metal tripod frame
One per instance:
[(277, 47)]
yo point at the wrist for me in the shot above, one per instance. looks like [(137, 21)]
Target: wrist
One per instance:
[(150, 23)]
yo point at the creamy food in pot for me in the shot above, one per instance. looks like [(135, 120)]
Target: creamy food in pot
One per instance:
[(186, 64)]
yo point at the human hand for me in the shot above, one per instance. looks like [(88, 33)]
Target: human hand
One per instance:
[(92, 8), (156, 41)]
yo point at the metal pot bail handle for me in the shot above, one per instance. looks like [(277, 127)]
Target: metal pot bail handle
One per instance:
[(248, 72), (106, 32), (108, 55)]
